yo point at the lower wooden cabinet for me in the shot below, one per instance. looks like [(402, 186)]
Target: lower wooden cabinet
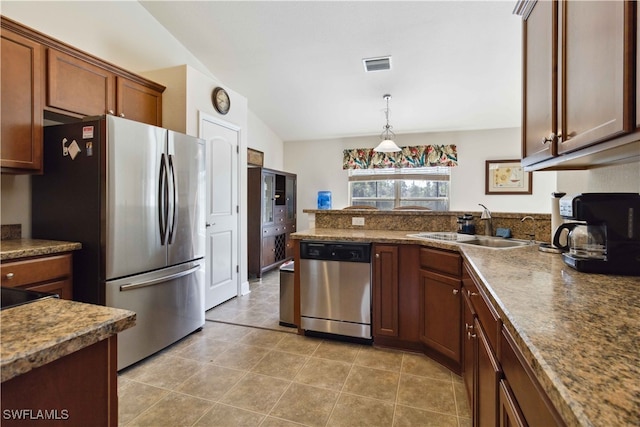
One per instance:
[(501, 386), (385, 290), (440, 313), (510, 415), (481, 369), (487, 376), (51, 273), (395, 296), (80, 389), (528, 398)]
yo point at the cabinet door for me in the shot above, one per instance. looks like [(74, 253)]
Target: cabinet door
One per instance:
[(385, 290), (268, 192), (597, 83), (540, 83), (510, 415), (138, 102), (468, 348), (440, 312), (77, 86), (291, 198), (20, 103), (268, 250), (488, 376)]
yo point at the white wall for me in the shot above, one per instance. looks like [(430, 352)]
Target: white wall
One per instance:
[(121, 32), (616, 178), (139, 44), (262, 138), (318, 165)]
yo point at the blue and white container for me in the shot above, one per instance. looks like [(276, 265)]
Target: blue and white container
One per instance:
[(324, 199)]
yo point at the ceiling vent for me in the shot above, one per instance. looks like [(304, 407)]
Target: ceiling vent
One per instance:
[(382, 63)]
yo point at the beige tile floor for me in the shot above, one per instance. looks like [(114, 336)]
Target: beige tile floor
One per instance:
[(232, 375)]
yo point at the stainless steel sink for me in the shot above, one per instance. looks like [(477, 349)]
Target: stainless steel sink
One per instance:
[(467, 239), (496, 242)]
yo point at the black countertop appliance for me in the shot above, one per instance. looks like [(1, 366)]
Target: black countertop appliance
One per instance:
[(618, 216)]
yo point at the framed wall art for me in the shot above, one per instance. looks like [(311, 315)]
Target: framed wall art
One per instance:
[(255, 157), (507, 177)]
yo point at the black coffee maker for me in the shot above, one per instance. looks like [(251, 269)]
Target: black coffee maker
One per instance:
[(607, 237)]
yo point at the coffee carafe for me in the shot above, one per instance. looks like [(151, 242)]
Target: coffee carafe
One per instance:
[(604, 235), (586, 241)]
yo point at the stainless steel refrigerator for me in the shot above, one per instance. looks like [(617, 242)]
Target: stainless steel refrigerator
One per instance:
[(134, 196)]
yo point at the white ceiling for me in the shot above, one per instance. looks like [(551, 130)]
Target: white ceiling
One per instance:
[(456, 65)]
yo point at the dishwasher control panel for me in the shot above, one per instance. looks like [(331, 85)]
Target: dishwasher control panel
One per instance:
[(336, 251)]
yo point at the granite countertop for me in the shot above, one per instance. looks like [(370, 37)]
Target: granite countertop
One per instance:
[(40, 332), (23, 248), (579, 332)]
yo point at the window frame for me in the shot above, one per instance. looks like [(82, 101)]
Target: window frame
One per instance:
[(398, 175)]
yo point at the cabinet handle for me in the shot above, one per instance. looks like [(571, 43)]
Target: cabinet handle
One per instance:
[(121, 114), (9, 276), (471, 294), (377, 255), (470, 335), (111, 112), (455, 292), (550, 138), (468, 327)]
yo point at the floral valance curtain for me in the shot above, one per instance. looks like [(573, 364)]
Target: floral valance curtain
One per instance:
[(418, 156)]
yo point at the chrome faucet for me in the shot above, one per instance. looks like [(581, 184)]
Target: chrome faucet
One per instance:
[(486, 216), (532, 237)]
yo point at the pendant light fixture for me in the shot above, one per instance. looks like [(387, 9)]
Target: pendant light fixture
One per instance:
[(387, 145)]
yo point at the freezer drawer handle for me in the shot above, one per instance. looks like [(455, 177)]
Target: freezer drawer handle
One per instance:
[(133, 286)]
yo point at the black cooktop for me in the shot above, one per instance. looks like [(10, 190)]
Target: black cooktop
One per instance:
[(12, 297)]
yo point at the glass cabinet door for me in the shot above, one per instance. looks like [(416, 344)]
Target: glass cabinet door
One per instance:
[(267, 198), (291, 197)]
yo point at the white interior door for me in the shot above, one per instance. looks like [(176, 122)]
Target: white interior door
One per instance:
[(221, 250)]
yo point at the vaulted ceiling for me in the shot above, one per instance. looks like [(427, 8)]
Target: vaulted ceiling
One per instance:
[(456, 65)]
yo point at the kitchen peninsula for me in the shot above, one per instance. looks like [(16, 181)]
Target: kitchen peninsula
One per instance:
[(58, 360), (58, 357), (575, 333)]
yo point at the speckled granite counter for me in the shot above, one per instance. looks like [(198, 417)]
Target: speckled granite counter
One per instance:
[(22, 248), (579, 332), (34, 334)]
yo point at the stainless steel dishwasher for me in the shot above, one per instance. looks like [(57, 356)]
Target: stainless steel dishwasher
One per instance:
[(335, 288)]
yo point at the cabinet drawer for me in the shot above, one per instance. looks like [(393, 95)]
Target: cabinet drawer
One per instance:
[(442, 261), (530, 397), (273, 231), (35, 270)]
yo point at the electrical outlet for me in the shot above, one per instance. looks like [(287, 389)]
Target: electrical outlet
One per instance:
[(357, 220)]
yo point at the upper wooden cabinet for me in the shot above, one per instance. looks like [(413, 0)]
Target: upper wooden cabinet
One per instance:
[(42, 75), (82, 88), (598, 71), (540, 97), (138, 102), (579, 82), (77, 86), (21, 103)]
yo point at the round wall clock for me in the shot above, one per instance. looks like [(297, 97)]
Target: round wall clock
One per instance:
[(221, 100)]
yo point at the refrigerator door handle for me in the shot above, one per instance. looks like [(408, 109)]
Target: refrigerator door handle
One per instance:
[(159, 280), (174, 201), (163, 209)]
